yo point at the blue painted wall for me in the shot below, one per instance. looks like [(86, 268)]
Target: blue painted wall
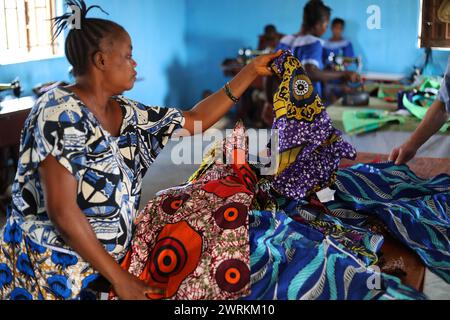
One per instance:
[(35, 72), (157, 29), (180, 44), (215, 32)]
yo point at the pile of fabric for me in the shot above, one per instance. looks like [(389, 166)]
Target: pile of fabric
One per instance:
[(232, 233), (192, 240)]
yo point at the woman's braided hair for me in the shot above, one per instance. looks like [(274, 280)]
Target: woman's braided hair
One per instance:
[(81, 44)]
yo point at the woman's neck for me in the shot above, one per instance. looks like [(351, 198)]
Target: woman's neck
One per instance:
[(94, 96), (305, 32)]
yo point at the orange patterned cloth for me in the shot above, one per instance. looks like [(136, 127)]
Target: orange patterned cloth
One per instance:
[(192, 241)]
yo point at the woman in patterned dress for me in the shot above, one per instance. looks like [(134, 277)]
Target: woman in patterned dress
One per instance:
[(84, 151)]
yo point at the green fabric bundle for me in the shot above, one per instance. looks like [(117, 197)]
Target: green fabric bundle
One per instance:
[(367, 120), (420, 112)]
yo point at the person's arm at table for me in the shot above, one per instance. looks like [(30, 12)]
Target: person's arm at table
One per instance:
[(317, 74), (435, 118)]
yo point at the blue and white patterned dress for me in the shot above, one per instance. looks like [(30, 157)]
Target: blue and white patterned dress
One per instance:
[(342, 48), (35, 263)]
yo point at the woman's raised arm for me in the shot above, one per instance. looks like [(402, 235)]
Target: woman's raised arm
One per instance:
[(213, 108)]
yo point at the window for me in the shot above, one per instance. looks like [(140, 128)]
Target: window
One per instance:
[(435, 24), (26, 30)]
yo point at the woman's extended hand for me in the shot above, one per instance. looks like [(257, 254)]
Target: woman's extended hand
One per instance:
[(213, 108), (352, 76), (403, 154), (129, 287), (261, 63)]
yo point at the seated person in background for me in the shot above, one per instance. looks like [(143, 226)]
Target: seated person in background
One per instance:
[(436, 117), (308, 47), (270, 38), (334, 48), (337, 44)]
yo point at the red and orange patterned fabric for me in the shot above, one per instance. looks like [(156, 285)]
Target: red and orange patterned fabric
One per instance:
[(192, 241)]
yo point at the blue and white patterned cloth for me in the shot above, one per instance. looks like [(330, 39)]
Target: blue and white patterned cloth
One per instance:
[(416, 211), (109, 171), (293, 261)]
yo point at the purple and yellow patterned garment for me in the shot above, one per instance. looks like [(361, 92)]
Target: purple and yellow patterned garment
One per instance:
[(310, 148)]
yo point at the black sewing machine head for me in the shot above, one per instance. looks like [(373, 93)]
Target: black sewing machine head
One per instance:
[(13, 86), (341, 63)]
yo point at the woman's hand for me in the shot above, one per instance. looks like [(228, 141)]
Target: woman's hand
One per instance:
[(129, 287), (403, 154), (352, 76), (261, 64)]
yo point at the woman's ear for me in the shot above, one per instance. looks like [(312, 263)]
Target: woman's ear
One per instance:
[(99, 60)]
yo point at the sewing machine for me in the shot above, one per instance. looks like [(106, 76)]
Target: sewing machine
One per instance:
[(247, 54), (13, 86), (342, 63), (358, 96), (251, 105), (232, 66), (13, 112)]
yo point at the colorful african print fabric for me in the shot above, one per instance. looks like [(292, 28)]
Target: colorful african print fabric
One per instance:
[(294, 261), (360, 242), (310, 148), (297, 249), (109, 173), (192, 241), (308, 49), (416, 211)]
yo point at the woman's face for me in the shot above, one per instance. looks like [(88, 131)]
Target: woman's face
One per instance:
[(120, 66), (337, 30), (321, 27)]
